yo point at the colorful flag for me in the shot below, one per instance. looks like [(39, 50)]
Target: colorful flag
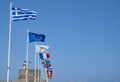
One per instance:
[(23, 14), (45, 61), (46, 55), (41, 48), (49, 74), (49, 71), (47, 65), (33, 37)]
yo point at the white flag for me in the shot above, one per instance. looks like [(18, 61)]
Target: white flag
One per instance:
[(41, 48)]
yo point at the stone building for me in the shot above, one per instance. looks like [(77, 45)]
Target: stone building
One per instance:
[(31, 75)]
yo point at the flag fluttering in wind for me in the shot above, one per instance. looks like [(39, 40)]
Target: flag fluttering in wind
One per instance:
[(34, 37), (41, 48), (49, 73), (44, 56), (23, 14), (47, 65), (45, 61)]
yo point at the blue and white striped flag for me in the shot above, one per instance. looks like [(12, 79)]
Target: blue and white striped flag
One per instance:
[(23, 14)]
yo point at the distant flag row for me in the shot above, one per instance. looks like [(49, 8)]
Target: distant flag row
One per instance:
[(45, 57), (42, 51)]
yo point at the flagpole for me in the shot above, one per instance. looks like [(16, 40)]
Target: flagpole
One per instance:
[(10, 27), (35, 64), (38, 67), (46, 75), (27, 57)]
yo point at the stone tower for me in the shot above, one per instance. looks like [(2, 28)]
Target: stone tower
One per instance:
[(31, 74)]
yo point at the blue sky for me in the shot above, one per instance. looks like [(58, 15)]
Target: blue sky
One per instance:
[(83, 35)]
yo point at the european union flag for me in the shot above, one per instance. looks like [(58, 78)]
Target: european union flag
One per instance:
[(33, 37)]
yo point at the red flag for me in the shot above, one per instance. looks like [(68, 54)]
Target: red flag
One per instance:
[(49, 74)]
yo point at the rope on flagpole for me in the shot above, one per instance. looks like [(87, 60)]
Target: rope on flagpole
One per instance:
[(9, 43)]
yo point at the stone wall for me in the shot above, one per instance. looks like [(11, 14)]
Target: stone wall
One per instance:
[(31, 75), (22, 76), (9, 81)]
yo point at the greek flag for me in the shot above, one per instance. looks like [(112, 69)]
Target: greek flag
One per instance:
[(23, 14)]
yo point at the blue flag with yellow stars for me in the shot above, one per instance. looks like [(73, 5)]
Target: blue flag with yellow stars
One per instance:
[(34, 37)]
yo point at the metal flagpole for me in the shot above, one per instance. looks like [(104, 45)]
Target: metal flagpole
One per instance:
[(27, 56), (35, 64), (38, 68), (45, 70), (46, 75), (10, 27)]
